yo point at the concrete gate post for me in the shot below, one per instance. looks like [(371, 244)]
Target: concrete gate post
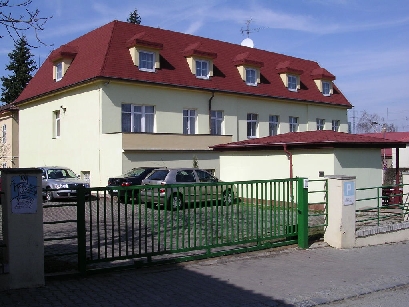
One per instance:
[(22, 228), (340, 232)]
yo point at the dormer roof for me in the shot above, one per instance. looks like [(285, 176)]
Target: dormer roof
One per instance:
[(197, 49), (63, 52), (322, 73), (144, 40), (286, 67), (246, 59)]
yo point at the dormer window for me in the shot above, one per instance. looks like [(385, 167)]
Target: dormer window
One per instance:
[(248, 67), (146, 61), (326, 88), (58, 71), (145, 52), (62, 58), (290, 75), (323, 79), (251, 76), (200, 60), (202, 69), (292, 83)]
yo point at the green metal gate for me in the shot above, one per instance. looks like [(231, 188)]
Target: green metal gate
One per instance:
[(148, 229)]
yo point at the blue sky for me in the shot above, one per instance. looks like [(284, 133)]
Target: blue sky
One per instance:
[(364, 43)]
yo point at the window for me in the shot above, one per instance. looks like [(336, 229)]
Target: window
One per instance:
[(292, 83), (273, 125), (252, 121), (326, 88), (320, 124), (58, 71), (293, 121), (335, 125), (57, 124), (137, 118), (205, 176), (251, 78), (4, 134), (202, 69), (216, 122), (146, 61), (189, 121)]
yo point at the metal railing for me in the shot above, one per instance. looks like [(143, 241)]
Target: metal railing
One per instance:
[(382, 205), (140, 225)]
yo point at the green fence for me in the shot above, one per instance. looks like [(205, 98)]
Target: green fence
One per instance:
[(142, 225), (381, 205)]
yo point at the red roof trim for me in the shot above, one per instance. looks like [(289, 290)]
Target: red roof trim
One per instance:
[(197, 50), (311, 139), (286, 68)]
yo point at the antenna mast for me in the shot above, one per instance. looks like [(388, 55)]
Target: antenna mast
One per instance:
[(247, 30)]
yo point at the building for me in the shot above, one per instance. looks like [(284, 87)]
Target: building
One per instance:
[(9, 145), (127, 95)]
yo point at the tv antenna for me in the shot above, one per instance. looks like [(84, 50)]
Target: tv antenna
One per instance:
[(247, 30)]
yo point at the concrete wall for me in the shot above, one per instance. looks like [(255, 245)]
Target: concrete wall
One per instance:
[(403, 157)]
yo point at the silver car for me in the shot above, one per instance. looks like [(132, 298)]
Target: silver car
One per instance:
[(177, 197), (60, 182)]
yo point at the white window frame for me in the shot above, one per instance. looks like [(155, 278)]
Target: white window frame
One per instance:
[(293, 124), (58, 71), (57, 124), (252, 125), (335, 125), (202, 73), (292, 83), (146, 64), (251, 76), (142, 118), (4, 134), (273, 124), (326, 88), (189, 121), (216, 122), (320, 123)]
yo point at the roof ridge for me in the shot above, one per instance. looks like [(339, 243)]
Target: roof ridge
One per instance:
[(114, 26)]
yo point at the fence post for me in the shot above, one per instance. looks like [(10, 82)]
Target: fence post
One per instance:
[(340, 232), (302, 209), (22, 228), (81, 232)]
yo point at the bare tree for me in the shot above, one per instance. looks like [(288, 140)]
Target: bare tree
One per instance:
[(368, 123), (19, 17)]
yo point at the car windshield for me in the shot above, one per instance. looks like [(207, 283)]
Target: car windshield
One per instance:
[(158, 175), (134, 172), (60, 173)]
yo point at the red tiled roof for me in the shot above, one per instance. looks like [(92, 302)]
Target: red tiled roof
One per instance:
[(104, 53), (396, 136), (311, 139)]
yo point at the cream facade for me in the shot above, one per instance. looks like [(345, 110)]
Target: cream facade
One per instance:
[(9, 145), (92, 143), (364, 164)]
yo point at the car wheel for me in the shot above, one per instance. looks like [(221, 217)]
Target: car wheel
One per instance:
[(49, 196), (228, 197), (175, 202)]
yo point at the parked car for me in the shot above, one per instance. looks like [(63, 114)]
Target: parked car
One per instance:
[(60, 182), (176, 197), (131, 178)]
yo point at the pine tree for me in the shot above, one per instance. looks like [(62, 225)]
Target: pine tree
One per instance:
[(22, 66), (134, 18)]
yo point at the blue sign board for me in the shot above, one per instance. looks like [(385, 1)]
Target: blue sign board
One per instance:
[(349, 193)]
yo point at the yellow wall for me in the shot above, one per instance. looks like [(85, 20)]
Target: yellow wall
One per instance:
[(91, 138), (9, 148)]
